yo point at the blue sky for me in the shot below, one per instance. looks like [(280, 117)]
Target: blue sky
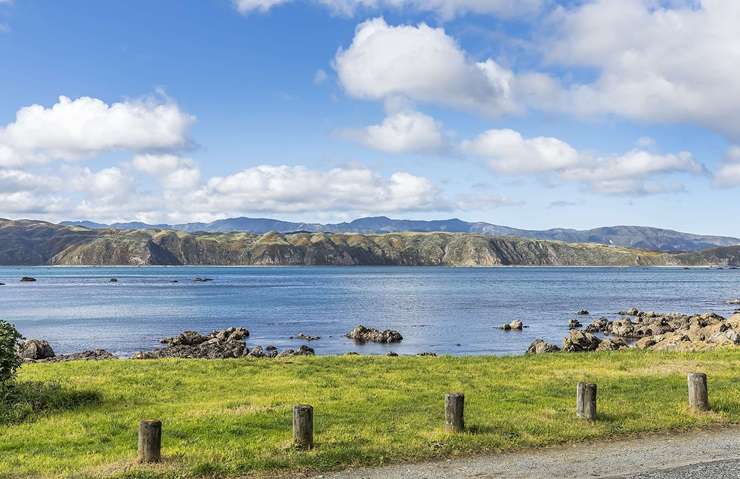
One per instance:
[(533, 114)]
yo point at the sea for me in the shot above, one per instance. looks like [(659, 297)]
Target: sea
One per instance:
[(455, 311)]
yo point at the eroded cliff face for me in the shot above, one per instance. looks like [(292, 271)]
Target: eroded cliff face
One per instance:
[(45, 243)]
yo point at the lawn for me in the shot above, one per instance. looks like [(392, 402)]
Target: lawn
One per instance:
[(233, 417)]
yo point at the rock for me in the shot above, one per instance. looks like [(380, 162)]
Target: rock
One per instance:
[(35, 349), (574, 324), (515, 325), (539, 346), (306, 337), (612, 344), (92, 355), (622, 327), (578, 341), (734, 301), (113, 280), (391, 354), (28, 279), (361, 334), (2, 284), (600, 325), (633, 312), (427, 353), (256, 352), (302, 351), (583, 312), (227, 343), (202, 280)]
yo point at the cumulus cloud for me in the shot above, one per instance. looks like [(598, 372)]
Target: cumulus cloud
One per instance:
[(85, 126), (425, 64), (657, 61), (445, 9), (401, 132), (299, 189), (728, 174), (175, 172), (508, 152)]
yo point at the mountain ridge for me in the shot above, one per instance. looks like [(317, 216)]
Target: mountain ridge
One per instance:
[(641, 237), (41, 243)]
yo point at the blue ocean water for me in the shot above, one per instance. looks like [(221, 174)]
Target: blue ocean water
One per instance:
[(442, 310)]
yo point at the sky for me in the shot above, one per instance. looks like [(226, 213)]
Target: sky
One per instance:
[(527, 113)]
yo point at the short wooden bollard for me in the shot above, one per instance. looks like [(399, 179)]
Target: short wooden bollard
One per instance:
[(698, 393), (303, 426), (455, 412), (150, 441), (586, 401)]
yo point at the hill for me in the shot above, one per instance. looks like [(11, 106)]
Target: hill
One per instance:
[(641, 237), (41, 243)]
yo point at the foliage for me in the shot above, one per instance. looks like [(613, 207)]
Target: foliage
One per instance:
[(10, 340), (232, 418)]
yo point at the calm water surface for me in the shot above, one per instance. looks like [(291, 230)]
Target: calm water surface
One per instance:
[(444, 310)]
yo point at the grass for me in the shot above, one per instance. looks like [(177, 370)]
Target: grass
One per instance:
[(233, 417)]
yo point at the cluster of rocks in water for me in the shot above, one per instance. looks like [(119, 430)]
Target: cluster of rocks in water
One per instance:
[(648, 331), (227, 343), (361, 334)]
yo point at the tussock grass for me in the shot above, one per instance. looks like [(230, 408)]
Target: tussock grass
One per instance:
[(233, 417)]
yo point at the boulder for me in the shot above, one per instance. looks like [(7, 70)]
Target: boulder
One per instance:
[(600, 325), (516, 325), (113, 280), (202, 280), (583, 312), (633, 312), (91, 355), (539, 346), (28, 279), (734, 301), (578, 341), (612, 344), (428, 354), (574, 324), (391, 354), (35, 350), (361, 334)]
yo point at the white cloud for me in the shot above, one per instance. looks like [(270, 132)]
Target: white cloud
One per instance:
[(293, 189), (109, 185), (401, 132), (508, 152), (728, 174), (175, 172), (656, 61), (12, 181), (248, 6), (445, 9), (425, 64), (75, 128)]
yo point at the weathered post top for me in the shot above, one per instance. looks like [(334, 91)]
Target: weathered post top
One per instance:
[(455, 412), (150, 441), (303, 426)]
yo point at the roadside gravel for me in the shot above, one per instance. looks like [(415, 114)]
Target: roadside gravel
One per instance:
[(709, 453)]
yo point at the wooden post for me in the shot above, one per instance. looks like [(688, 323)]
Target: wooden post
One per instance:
[(586, 401), (455, 412), (303, 426), (150, 441), (698, 394)]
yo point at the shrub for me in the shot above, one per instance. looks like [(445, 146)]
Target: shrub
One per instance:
[(10, 340)]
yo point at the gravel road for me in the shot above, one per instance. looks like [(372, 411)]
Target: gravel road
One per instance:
[(705, 454)]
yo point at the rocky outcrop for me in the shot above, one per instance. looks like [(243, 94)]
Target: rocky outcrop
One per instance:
[(574, 324), (600, 325), (361, 334), (35, 350), (91, 355), (539, 346), (307, 337), (227, 343)]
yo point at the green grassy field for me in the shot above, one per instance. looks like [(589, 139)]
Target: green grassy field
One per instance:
[(233, 417)]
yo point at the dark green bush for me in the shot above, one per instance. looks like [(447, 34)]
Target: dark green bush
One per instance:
[(10, 340)]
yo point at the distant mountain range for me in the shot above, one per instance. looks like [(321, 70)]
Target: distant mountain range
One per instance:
[(640, 237), (27, 242)]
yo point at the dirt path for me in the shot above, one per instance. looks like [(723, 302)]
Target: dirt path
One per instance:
[(601, 459)]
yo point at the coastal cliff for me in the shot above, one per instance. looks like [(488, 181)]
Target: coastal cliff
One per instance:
[(40, 243)]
